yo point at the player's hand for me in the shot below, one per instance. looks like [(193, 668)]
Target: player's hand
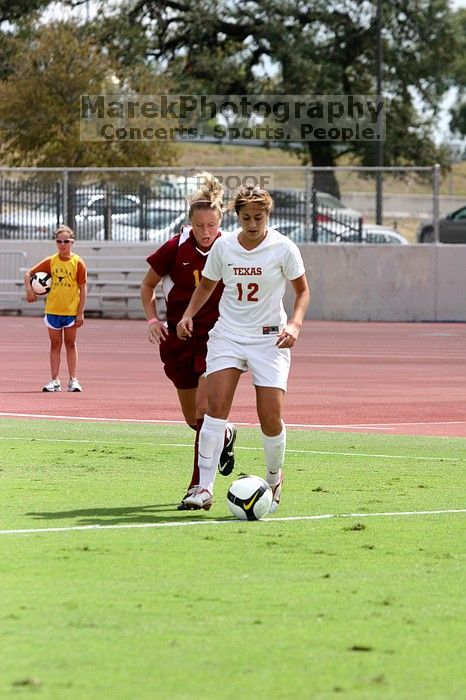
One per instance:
[(79, 320), (288, 337), (157, 332), (31, 297), (184, 328)]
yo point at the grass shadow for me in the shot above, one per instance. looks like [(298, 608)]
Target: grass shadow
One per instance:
[(139, 514)]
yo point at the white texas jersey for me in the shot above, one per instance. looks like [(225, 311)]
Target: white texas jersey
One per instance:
[(255, 282)]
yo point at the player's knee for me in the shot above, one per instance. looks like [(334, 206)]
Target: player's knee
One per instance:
[(271, 424), (190, 418), (217, 407)]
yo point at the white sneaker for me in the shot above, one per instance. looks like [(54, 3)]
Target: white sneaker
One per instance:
[(74, 385), (182, 505), (200, 499), (52, 385), (276, 493)]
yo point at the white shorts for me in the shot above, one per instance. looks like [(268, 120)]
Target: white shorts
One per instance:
[(268, 364)]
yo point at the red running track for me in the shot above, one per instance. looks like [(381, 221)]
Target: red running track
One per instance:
[(367, 377)]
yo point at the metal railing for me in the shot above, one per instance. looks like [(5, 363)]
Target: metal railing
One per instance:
[(311, 205)]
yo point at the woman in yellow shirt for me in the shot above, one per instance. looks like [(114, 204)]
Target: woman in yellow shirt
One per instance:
[(64, 306)]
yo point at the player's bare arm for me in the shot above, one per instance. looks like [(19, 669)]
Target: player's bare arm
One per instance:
[(30, 296), (157, 331), (82, 303), (289, 335), (201, 294)]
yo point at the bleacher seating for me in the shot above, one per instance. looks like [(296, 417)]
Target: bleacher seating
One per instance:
[(113, 286)]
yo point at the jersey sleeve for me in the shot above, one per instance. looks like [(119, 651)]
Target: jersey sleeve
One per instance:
[(162, 260), (293, 263), (42, 266), (81, 272), (213, 267)]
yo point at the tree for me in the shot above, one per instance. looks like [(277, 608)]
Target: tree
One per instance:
[(13, 10), (458, 112), (14, 13), (40, 102), (321, 47), (458, 119)]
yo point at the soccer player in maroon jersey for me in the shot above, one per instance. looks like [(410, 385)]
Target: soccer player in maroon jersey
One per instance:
[(178, 265)]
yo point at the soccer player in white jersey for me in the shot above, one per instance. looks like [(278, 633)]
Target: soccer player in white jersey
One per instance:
[(252, 333)]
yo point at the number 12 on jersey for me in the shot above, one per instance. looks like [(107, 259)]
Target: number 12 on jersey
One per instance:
[(250, 293)]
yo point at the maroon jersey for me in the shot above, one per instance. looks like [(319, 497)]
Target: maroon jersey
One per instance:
[(180, 263)]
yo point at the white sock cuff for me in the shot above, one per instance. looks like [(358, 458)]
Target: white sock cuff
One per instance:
[(216, 425), (275, 439)]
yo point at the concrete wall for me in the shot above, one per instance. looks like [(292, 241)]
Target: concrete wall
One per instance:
[(348, 282), (386, 283)]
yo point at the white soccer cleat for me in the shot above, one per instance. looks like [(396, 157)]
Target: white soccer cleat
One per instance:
[(182, 505), (200, 499), (74, 385), (52, 385), (276, 493)]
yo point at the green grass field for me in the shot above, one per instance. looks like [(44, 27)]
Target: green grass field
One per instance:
[(186, 605)]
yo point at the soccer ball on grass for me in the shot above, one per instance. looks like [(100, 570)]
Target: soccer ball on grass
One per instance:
[(249, 498)]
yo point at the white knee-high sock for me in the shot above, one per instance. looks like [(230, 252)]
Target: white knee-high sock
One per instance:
[(211, 439), (274, 448)]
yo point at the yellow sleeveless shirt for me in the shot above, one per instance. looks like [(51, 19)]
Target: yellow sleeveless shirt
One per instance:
[(63, 298)]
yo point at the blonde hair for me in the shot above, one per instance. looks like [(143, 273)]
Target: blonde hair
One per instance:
[(208, 196), (64, 229), (251, 194)]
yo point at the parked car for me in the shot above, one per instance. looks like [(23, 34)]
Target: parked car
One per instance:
[(451, 229), (325, 211), (374, 233), (39, 222), (326, 232), (156, 224), (90, 218), (331, 208), (42, 221), (333, 232), (288, 227)]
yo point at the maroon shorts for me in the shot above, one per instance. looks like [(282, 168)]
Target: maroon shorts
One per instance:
[(184, 360)]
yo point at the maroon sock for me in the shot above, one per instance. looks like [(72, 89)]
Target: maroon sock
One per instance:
[(195, 474)]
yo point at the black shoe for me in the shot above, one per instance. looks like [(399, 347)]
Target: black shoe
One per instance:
[(227, 458)]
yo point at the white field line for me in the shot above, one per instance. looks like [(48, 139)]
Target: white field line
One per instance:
[(237, 447), (352, 426), (92, 419), (338, 454), (229, 521)]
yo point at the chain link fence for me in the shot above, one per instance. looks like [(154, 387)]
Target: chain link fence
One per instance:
[(311, 205)]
